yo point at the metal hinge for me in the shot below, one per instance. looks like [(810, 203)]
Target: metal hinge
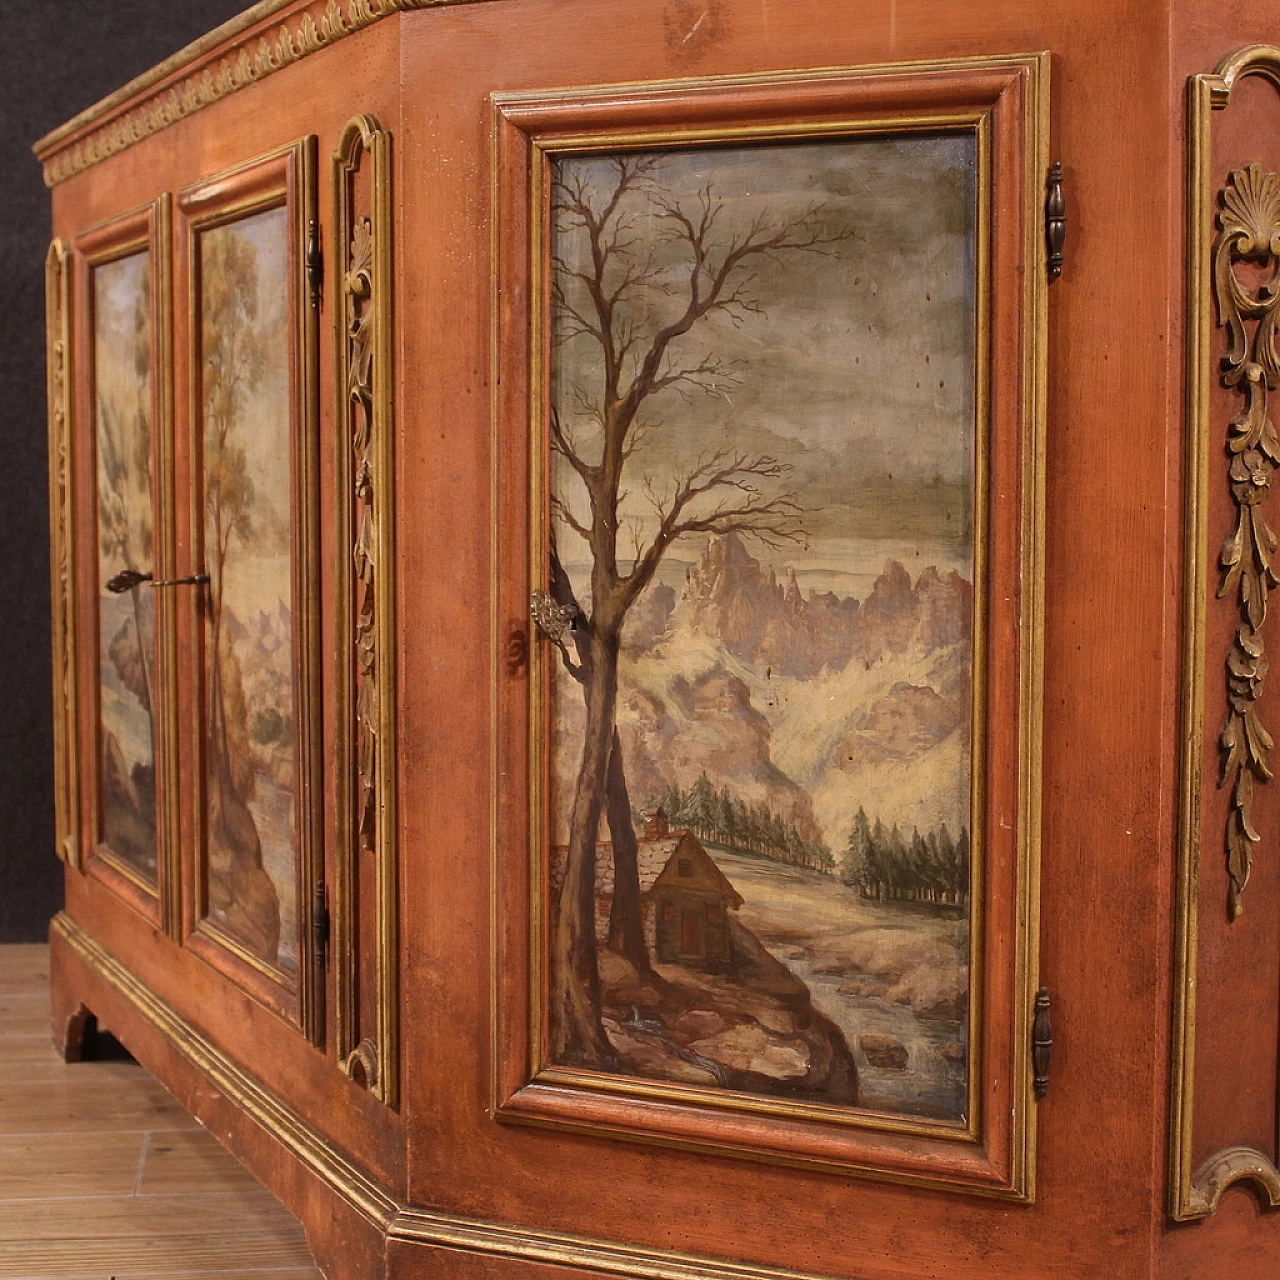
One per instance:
[(1041, 1043), (1055, 219), (315, 263), (320, 925)]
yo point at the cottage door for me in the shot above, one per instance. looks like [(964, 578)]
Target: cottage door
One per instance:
[(691, 931)]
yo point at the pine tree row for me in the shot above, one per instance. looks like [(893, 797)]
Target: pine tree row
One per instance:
[(889, 866), (718, 817)]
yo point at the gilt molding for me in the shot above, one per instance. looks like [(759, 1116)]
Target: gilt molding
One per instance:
[(367, 1038), (57, 270), (1225, 226), (105, 130), (1249, 233)]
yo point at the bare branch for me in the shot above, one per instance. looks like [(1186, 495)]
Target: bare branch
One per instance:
[(562, 513), (703, 260), (564, 446), (773, 519)]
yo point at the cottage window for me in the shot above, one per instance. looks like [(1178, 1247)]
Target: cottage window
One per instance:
[(686, 866)]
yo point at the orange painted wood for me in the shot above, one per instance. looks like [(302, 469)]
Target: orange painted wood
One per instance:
[(1113, 540)]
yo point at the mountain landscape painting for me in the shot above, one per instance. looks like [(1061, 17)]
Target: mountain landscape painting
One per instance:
[(126, 620), (251, 737), (763, 432)]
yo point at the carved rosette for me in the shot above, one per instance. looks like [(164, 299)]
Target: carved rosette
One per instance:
[(1249, 234), (367, 1010)]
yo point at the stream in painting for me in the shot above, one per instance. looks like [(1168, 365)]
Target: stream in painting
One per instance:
[(892, 977)]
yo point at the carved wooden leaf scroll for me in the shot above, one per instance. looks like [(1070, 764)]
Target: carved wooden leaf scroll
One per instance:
[(1249, 234), (359, 292)]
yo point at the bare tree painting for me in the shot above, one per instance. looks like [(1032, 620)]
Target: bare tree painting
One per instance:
[(250, 739), (122, 409), (713, 434)]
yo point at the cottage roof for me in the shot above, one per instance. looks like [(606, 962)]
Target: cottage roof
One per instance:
[(690, 866), (653, 858)]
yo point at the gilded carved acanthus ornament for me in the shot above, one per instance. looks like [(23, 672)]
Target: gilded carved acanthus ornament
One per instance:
[(1249, 233), (367, 1013)]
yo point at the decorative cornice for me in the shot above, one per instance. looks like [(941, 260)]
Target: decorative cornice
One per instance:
[(68, 151)]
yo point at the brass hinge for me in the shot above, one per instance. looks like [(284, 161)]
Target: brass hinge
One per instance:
[(1041, 1043), (320, 925), (1055, 219), (315, 263)]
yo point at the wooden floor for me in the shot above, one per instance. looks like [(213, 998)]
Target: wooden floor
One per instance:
[(103, 1175)]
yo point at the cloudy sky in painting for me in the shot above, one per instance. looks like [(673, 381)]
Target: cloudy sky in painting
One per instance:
[(858, 372)]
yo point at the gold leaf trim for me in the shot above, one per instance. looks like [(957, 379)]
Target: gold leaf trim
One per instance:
[(237, 69), (365, 531), (1207, 93), (57, 269), (1249, 232)]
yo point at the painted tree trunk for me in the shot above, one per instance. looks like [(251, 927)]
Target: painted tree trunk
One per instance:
[(626, 926), (577, 1032)]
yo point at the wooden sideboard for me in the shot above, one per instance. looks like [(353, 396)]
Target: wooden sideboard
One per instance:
[(660, 630)]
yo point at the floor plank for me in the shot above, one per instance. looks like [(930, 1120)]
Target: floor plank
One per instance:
[(23, 969), (257, 1273), (190, 1162), (65, 1165), (103, 1174), (74, 1105)]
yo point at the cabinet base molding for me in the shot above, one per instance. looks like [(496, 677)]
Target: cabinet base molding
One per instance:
[(391, 1220)]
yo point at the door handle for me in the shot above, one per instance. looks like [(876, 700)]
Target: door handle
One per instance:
[(127, 579)]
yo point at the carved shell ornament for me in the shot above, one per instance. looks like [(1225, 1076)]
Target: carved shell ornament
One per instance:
[(1249, 233)]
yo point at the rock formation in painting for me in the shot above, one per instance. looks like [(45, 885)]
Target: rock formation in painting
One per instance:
[(752, 1028)]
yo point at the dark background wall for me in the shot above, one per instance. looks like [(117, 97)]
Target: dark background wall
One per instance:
[(56, 58)]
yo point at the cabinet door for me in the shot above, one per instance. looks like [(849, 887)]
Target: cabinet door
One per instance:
[(128, 661), (250, 500), (774, 348)]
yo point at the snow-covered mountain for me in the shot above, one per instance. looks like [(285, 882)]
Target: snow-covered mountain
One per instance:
[(813, 704)]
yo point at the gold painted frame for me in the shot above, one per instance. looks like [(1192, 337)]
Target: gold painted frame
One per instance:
[(284, 177), (148, 227), (1194, 1190), (368, 1046), (62, 556), (1004, 102)]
